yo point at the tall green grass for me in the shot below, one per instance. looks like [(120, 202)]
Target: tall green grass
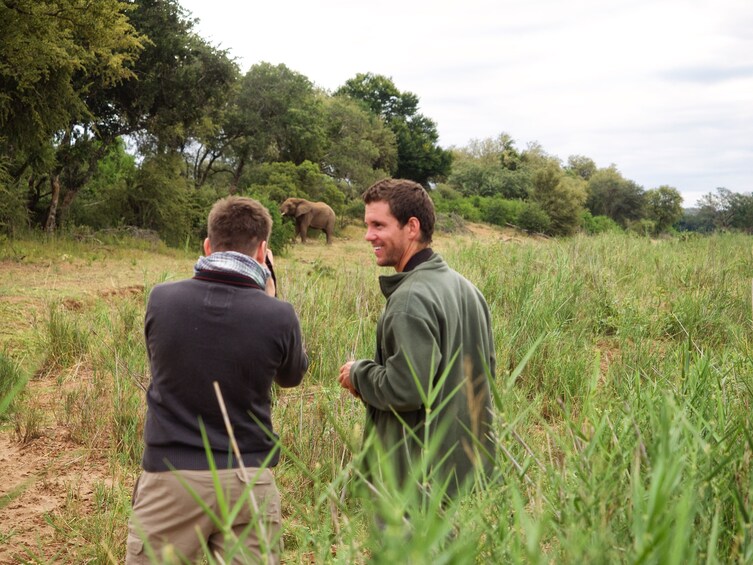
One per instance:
[(623, 388)]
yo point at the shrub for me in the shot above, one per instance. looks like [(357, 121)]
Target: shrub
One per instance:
[(644, 227), (533, 218), (446, 192), (499, 211), (462, 207), (279, 181), (282, 232), (450, 223), (354, 209), (593, 225)]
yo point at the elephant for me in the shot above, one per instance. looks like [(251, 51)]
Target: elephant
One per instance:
[(317, 215)]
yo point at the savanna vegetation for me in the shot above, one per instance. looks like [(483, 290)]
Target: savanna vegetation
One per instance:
[(623, 391), (622, 397), (120, 116)]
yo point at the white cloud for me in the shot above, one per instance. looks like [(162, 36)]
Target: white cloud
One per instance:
[(661, 88)]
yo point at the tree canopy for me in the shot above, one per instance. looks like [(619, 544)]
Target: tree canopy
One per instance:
[(53, 57), (612, 195), (123, 106), (419, 157)]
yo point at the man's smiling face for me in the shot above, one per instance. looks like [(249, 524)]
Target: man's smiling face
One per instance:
[(392, 243)]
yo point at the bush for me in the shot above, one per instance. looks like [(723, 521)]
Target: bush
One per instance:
[(462, 207), (532, 218), (162, 200), (446, 192), (593, 225), (104, 202), (282, 232), (354, 209), (450, 223), (643, 227), (279, 181), (499, 211)]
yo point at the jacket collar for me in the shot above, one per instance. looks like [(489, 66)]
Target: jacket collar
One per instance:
[(225, 277), (389, 283)]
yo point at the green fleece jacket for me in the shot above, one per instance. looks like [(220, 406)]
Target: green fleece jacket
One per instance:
[(435, 324)]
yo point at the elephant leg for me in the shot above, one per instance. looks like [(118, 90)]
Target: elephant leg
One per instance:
[(304, 231)]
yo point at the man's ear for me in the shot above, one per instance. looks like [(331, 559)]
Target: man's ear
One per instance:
[(207, 248), (414, 228), (261, 253)]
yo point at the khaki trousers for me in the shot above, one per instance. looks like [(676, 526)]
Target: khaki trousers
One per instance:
[(168, 525)]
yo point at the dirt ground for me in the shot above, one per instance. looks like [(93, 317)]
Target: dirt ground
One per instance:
[(41, 476), (38, 477)]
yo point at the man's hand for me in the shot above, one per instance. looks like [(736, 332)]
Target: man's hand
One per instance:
[(344, 379)]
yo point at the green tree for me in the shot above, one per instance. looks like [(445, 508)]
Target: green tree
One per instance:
[(610, 194), (159, 97), (360, 148), (419, 157), (663, 207), (472, 177), (490, 167), (477, 178), (726, 210), (278, 181), (535, 157), (276, 115), (580, 166), (53, 54), (103, 202), (715, 209), (693, 220), (533, 218), (742, 211), (562, 198), (182, 82), (160, 199), (12, 209), (599, 224), (499, 150), (500, 212)]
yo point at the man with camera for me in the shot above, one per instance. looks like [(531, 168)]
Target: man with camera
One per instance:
[(222, 329)]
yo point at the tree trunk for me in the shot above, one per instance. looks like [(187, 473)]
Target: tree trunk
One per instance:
[(49, 225), (67, 201), (237, 176), (60, 206)]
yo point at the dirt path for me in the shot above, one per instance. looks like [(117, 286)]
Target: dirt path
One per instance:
[(51, 473), (39, 478)]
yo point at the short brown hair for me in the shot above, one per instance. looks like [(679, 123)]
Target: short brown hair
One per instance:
[(238, 223), (407, 199)]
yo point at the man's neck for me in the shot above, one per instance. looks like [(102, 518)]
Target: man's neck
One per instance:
[(418, 257)]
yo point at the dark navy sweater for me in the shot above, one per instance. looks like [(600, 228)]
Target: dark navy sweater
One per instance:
[(216, 327)]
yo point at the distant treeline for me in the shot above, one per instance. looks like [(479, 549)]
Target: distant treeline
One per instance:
[(122, 115)]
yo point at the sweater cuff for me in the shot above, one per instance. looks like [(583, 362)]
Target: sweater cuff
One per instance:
[(353, 371)]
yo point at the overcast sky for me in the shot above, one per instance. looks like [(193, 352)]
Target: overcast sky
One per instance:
[(661, 88)]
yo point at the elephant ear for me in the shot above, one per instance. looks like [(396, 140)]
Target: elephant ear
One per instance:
[(303, 208)]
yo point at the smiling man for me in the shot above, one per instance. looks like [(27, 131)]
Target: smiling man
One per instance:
[(435, 331)]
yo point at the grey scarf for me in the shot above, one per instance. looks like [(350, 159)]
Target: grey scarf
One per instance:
[(234, 262)]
